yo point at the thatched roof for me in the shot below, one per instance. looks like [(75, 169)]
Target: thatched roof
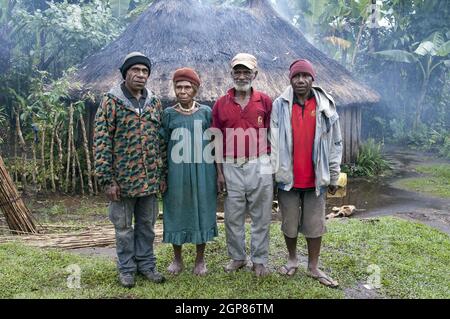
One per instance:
[(186, 33)]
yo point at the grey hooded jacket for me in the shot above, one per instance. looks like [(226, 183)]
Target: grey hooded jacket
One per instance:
[(327, 151)]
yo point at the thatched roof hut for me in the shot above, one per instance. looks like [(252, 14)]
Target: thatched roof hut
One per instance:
[(187, 33)]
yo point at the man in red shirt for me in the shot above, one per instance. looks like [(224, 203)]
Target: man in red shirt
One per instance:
[(243, 117), (306, 154)]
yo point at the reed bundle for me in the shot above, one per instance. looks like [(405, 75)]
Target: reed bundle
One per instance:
[(17, 215)]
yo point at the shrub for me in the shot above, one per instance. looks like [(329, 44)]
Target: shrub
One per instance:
[(370, 161)]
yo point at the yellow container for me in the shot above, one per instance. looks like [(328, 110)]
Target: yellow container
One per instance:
[(342, 189)]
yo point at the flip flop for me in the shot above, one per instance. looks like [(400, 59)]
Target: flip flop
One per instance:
[(324, 280), (288, 271)]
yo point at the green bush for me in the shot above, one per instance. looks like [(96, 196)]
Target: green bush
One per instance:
[(430, 139), (444, 150), (370, 161)]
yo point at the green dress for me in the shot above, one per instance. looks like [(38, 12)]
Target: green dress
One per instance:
[(190, 200)]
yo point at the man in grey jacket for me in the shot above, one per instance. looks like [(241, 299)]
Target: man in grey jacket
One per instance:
[(306, 154)]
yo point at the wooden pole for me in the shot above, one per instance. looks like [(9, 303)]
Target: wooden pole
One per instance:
[(88, 157), (69, 146)]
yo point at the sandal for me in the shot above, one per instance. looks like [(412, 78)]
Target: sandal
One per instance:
[(288, 271), (324, 280)]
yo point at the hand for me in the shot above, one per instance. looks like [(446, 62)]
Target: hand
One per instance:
[(162, 187), (221, 185), (113, 192), (332, 189)]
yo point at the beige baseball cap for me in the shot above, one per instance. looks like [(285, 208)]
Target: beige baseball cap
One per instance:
[(244, 59)]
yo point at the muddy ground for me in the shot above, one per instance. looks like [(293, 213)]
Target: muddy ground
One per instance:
[(381, 197)]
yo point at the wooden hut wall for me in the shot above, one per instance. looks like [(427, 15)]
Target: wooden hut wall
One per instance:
[(350, 120)]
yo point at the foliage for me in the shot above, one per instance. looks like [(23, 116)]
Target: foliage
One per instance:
[(43, 114), (136, 8), (444, 149), (407, 254), (426, 56), (414, 31), (435, 180), (46, 39), (62, 34), (2, 122), (370, 161)]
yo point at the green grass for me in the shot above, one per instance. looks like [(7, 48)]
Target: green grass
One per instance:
[(413, 259), (436, 180)]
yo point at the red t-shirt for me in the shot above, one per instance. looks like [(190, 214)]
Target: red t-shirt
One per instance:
[(303, 132), (252, 123)]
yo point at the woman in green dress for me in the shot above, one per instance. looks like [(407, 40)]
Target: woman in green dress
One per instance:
[(190, 199)]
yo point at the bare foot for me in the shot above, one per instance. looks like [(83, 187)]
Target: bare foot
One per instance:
[(175, 267), (322, 277), (235, 265), (200, 269), (260, 270)]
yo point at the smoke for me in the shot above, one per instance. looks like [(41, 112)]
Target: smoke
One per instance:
[(283, 9)]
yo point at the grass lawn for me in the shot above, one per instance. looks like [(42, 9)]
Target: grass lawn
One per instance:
[(436, 180), (413, 260)]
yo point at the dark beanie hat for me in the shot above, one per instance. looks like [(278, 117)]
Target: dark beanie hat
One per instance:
[(132, 59), (186, 74), (301, 66)]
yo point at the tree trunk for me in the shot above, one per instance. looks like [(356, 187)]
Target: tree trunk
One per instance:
[(88, 156), (420, 99), (96, 185), (52, 145), (60, 158), (35, 169), (43, 171), (358, 39), (16, 178), (74, 174), (80, 171), (69, 145), (23, 148), (374, 41)]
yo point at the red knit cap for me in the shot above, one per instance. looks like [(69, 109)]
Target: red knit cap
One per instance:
[(301, 66), (186, 74)]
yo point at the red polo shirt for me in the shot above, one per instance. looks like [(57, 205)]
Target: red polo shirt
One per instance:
[(303, 132), (245, 130)]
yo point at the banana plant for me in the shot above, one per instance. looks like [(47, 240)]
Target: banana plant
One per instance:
[(429, 54)]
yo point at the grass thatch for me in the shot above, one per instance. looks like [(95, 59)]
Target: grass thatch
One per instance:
[(186, 33)]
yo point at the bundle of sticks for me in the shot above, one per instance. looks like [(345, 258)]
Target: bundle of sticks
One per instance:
[(17, 215), (95, 236)]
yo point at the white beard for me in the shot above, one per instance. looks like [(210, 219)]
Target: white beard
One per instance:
[(243, 88)]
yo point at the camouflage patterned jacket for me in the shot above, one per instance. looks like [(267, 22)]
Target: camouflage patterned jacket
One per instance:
[(128, 148)]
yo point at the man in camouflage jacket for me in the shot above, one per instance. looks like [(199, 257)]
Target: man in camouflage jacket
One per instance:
[(129, 163)]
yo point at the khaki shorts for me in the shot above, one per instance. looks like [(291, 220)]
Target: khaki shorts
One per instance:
[(302, 212)]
